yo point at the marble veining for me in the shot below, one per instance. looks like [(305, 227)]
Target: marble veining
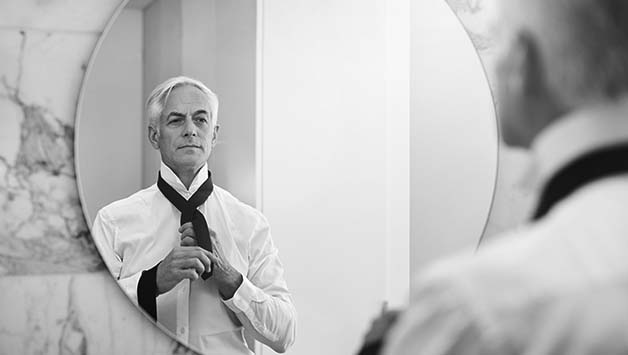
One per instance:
[(42, 228), (56, 15), (57, 297), (83, 313), (475, 17)]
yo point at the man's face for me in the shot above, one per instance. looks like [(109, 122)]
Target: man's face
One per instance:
[(186, 133)]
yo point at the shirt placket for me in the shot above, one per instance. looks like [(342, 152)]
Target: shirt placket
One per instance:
[(183, 304), (183, 312)]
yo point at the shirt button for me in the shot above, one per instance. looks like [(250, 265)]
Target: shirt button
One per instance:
[(182, 330)]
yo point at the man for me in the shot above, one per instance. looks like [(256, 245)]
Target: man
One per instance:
[(560, 286), (189, 253)]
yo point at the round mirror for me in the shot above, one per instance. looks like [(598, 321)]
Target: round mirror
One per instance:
[(358, 131)]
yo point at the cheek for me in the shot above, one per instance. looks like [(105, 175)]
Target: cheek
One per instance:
[(510, 123), (167, 142)]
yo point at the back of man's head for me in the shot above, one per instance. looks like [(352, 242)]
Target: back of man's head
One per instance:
[(583, 45)]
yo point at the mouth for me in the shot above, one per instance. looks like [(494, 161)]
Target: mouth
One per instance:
[(190, 146)]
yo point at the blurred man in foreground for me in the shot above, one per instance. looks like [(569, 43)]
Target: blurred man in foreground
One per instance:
[(559, 286)]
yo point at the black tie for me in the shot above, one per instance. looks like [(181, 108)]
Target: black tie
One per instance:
[(597, 164), (147, 284), (189, 211)]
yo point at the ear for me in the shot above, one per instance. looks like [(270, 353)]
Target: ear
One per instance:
[(527, 71), (153, 137), (215, 135)]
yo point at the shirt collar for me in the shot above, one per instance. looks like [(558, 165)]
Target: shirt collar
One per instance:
[(173, 180), (578, 133)]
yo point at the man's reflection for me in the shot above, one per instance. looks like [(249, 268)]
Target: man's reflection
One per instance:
[(195, 258)]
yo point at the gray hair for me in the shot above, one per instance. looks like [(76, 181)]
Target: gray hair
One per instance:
[(157, 99), (583, 45)]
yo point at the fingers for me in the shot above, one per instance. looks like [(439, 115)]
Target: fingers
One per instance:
[(188, 237), (184, 226), (188, 242), (202, 256), (216, 247), (192, 263), (197, 253), (187, 230), (213, 257), (190, 274)]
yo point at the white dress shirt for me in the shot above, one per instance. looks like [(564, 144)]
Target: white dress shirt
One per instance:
[(135, 233), (559, 286)]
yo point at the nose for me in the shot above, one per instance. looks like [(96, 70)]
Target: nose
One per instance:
[(189, 130)]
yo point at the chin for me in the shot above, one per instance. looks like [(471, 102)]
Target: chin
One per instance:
[(510, 133), (514, 140), (191, 162)]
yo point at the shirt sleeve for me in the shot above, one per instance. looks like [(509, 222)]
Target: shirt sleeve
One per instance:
[(104, 234), (262, 302), (439, 321)]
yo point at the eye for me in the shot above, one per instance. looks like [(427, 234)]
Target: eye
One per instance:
[(175, 121), (201, 119)]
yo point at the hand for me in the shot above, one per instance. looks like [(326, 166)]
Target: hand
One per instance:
[(226, 277), (188, 237), (381, 325), (184, 262)]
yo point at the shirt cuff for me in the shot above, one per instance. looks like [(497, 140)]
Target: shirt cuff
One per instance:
[(147, 291), (242, 298)]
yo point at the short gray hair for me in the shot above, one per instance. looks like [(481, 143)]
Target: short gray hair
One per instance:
[(583, 44), (157, 99)]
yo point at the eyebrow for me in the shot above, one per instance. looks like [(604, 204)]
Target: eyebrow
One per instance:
[(179, 114)]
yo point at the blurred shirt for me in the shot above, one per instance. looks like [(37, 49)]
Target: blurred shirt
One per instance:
[(135, 233), (556, 286)]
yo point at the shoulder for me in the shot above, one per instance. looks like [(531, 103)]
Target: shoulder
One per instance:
[(236, 208), (597, 203), (246, 224), (504, 276), (578, 246), (576, 230), (509, 286), (128, 208)]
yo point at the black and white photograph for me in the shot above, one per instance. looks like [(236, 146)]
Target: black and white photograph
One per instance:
[(373, 177)]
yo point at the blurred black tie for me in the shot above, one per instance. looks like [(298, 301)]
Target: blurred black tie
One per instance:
[(598, 164)]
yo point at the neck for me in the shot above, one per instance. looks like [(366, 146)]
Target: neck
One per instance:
[(186, 175)]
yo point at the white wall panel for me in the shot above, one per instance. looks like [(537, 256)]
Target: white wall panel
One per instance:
[(324, 160)]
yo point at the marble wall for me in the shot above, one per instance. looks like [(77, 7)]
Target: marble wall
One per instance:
[(56, 296), (80, 313)]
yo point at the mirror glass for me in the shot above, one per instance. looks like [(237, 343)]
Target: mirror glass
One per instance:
[(148, 42), (355, 128)]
